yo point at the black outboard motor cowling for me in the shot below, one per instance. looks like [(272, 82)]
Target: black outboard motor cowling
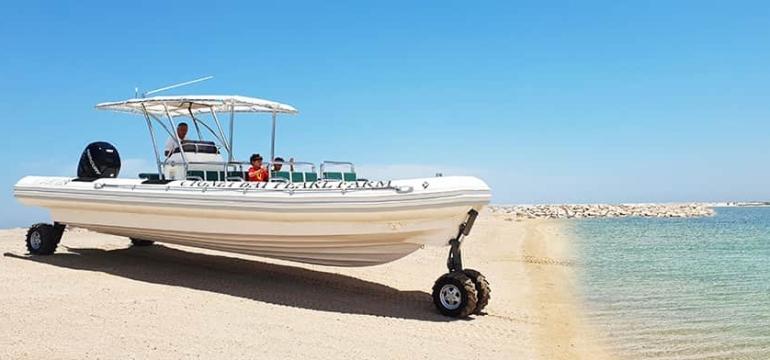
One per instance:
[(99, 160)]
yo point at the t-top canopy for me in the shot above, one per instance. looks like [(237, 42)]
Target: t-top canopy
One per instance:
[(182, 105)]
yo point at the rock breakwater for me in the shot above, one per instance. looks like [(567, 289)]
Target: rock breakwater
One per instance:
[(578, 211)]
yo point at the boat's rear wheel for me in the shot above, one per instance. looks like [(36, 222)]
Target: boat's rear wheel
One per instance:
[(43, 238), (454, 294), (141, 242), (482, 289)]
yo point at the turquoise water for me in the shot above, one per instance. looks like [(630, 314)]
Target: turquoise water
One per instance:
[(679, 288)]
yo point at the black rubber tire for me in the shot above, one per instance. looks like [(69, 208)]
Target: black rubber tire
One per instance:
[(48, 239), (141, 242), (482, 289), (467, 294)]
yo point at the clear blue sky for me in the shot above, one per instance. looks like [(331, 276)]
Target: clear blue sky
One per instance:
[(548, 101)]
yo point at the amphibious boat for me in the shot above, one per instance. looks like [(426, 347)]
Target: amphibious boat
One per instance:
[(199, 197)]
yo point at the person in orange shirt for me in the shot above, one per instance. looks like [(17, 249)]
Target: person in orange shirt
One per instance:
[(257, 171)]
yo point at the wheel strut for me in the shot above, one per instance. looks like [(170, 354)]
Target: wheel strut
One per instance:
[(58, 230), (454, 261), (461, 292)]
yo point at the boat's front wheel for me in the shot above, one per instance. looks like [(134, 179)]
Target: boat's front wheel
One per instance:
[(454, 294), (482, 289), (42, 238), (141, 242)]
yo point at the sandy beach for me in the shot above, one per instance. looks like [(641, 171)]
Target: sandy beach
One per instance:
[(100, 298)]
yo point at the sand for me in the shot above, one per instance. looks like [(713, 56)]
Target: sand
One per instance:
[(99, 298)]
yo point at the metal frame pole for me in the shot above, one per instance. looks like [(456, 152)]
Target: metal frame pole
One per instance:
[(221, 132), (213, 133), (195, 122), (232, 125), (272, 141), (178, 140), (160, 122), (154, 143)]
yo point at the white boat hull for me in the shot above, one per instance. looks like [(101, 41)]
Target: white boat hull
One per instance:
[(330, 223)]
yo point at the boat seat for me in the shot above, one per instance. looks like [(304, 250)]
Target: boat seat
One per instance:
[(332, 175), (196, 146), (297, 176), (237, 174), (281, 175), (344, 176)]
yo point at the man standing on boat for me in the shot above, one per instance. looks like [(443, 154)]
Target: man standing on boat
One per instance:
[(181, 131)]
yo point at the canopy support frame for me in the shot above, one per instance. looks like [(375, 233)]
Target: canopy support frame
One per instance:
[(272, 141), (171, 107), (170, 133), (154, 143), (176, 137), (232, 125), (225, 142), (195, 121), (221, 141)]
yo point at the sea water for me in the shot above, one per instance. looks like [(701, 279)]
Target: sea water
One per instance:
[(666, 288)]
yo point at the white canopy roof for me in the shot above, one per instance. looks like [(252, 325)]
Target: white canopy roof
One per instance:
[(181, 105)]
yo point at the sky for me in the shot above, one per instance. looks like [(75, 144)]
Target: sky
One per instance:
[(547, 101)]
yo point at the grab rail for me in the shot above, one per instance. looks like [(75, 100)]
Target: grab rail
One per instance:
[(292, 164), (239, 166), (344, 163), (277, 187)]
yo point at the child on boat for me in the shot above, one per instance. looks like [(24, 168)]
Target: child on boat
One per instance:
[(257, 172)]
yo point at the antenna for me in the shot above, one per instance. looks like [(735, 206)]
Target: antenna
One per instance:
[(177, 85)]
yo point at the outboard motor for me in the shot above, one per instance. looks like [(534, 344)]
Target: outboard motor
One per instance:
[(99, 160)]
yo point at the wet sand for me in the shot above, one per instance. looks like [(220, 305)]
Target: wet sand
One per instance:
[(97, 297)]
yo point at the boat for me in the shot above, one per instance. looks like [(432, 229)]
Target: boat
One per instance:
[(199, 197)]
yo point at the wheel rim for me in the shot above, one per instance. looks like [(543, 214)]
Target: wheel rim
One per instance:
[(35, 240), (450, 297)]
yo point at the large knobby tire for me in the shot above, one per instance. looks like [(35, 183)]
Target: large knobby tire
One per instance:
[(482, 289), (454, 294), (141, 242), (42, 239)]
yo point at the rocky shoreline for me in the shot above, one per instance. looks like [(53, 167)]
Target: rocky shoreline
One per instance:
[(581, 211)]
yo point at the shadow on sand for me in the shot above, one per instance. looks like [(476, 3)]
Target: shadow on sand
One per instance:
[(271, 283)]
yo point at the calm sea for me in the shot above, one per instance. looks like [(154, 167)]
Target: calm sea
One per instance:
[(679, 288)]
